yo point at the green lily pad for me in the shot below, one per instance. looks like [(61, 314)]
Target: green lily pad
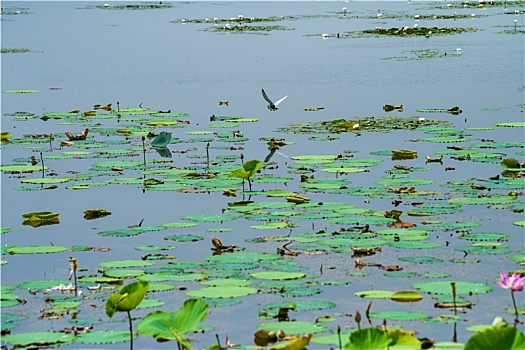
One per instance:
[(444, 287), (126, 263), (222, 292), (277, 275), (398, 315), (34, 338), (375, 294), (293, 327), (209, 217), (35, 249), (103, 337)]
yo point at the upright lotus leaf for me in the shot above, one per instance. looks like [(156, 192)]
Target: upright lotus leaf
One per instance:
[(128, 298), (500, 337), (368, 338), (162, 139), (173, 325), (249, 168)]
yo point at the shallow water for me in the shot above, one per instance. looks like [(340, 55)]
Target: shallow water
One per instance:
[(148, 57)]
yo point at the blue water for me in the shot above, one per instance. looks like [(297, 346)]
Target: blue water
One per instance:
[(149, 57)]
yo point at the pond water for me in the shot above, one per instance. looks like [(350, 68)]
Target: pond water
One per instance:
[(82, 54)]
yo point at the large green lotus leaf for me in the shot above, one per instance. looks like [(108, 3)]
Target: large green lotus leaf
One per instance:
[(173, 325), (44, 249), (221, 292), (123, 273), (346, 170), (404, 182), (184, 238), (44, 284), (103, 337), (401, 232), (375, 294), (124, 232), (314, 158), (484, 248), (46, 180), (271, 225), (414, 245), (242, 257), (128, 298), (368, 338), (444, 287), (398, 315), (164, 277), (502, 337), (149, 303), (489, 200), (10, 321), (227, 282), (126, 263), (161, 287), (302, 305), (179, 224), (445, 139), (22, 168), (170, 115), (34, 338), (349, 242), (277, 275), (400, 274), (484, 236), (20, 91), (293, 327), (134, 164), (209, 217), (360, 220), (364, 162), (332, 339)]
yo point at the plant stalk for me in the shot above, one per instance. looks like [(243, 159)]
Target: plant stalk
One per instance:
[(516, 320), (130, 331)]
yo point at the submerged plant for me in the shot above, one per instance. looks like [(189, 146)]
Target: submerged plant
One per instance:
[(514, 283), (127, 299)]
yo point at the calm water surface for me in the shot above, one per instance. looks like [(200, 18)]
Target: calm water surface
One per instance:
[(149, 57)]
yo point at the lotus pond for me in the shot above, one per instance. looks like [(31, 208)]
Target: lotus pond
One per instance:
[(139, 155)]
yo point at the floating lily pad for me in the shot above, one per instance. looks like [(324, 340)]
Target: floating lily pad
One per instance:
[(103, 337), (277, 275), (444, 287), (398, 315), (293, 327), (222, 292), (35, 249), (36, 338)]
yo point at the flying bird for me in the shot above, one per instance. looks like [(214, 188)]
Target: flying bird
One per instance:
[(272, 106)]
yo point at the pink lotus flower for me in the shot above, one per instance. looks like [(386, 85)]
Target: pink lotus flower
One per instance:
[(515, 283)]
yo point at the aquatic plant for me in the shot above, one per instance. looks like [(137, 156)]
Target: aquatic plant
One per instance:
[(165, 326), (127, 299), (514, 283), (249, 168)]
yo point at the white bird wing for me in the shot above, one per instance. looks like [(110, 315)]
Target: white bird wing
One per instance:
[(279, 101)]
